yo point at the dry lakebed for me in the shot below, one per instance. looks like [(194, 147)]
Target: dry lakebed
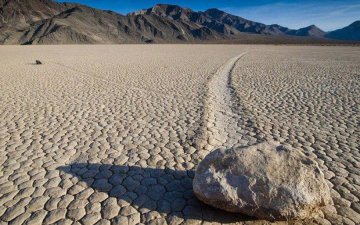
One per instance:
[(113, 134)]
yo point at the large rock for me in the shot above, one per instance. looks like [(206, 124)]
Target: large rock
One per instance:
[(267, 181)]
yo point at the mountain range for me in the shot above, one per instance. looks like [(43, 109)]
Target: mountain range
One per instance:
[(49, 22)]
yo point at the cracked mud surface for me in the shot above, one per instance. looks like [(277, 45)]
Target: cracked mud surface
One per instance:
[(112, 134)]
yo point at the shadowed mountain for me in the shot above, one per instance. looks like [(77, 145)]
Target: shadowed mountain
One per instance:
[(48, 22), (351, 32)]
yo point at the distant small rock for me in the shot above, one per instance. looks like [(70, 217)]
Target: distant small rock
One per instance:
[(38, 62), (268, 181)]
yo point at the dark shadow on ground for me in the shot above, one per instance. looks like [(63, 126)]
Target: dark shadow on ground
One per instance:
[(162, 190)]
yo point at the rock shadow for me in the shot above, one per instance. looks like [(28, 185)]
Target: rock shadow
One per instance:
[(165, 191)]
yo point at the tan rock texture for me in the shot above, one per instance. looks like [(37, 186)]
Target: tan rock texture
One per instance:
[(268, 181)]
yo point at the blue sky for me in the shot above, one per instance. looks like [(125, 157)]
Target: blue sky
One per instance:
[(326, 14)]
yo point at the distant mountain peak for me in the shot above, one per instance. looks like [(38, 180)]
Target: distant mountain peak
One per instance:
[(163, 10), (313, 27), (168, 8), (214, 10)]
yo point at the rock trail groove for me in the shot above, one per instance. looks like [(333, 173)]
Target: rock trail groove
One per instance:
[(225, 123)]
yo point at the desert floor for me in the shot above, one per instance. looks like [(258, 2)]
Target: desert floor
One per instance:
[(112, 134)]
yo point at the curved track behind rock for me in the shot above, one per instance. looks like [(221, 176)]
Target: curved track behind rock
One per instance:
[(225, 121)]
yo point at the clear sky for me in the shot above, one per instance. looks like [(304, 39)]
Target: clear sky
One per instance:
[(326, 14)]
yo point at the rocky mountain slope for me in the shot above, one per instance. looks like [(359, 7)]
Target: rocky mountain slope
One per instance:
[(48, 22), (219, 21), (21, 14), (351, 32)]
